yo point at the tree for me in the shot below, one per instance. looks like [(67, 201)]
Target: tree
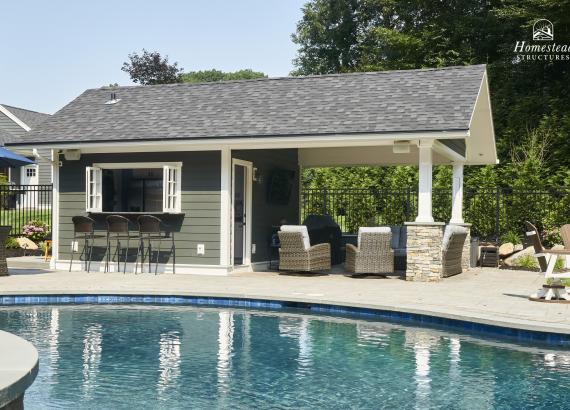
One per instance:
[(151, 68), (213, 75)]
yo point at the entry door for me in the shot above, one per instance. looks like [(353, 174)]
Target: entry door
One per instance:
[(241, 212), (29, 176)]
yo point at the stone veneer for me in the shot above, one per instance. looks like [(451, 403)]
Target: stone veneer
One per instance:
[(424, 251)]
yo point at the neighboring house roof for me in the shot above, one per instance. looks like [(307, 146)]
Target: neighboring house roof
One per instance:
[(6, 136), (31, 118), (380, 102)]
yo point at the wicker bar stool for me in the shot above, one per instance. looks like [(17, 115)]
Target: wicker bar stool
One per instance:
[(118, 230), (151, 229), (83, 229)]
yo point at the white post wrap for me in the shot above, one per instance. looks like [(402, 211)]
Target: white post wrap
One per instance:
[(425, 181), (457, 198), (225, 206)]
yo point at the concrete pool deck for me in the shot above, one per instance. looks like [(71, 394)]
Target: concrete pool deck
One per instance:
[(488, 296)]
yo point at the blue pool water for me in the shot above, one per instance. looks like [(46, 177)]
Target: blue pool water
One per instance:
[(160, 357)]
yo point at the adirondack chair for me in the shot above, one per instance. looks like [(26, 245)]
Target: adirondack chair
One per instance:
[(553, 289)]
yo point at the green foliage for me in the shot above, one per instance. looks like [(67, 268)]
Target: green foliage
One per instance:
[(149, 68), (527, 262), (217, 75), (512, 237), (12, 243)]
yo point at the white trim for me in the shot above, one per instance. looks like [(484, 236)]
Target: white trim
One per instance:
[(225, 214), (248, 210), (457, 194), (181, 268), (286, 141), (136, 165), (55, 208), (425, 182), (18, 121)]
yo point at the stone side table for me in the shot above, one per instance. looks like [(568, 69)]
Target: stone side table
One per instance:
[(4, 232)]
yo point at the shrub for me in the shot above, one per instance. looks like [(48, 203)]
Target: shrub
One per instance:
[(512, 237), (35, 230), (527, 262), (12, 243)]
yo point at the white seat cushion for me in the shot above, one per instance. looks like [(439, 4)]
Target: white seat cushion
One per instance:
[(299, 228), (377, 229)]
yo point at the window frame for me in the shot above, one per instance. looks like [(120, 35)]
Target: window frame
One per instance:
[(168, 169)]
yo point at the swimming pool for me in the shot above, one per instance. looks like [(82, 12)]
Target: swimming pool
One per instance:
[(170, 357)]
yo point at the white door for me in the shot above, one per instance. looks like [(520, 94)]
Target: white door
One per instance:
[(241, 212), (29, 176)]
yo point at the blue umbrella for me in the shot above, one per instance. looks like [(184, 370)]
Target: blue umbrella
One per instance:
[(11, 159)]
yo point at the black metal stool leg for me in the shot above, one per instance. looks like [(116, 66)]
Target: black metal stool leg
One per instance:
[(157, 256), (173, 252), (72, 251), (126, 256), (90, 254)]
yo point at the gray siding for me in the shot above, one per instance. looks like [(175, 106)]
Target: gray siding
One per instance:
[(44, 167), (266, 215), (200, 222)]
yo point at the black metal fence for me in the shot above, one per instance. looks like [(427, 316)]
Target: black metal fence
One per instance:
[(492, 211), (20, 204)]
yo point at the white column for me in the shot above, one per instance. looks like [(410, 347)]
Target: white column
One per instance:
[(54, 208), (457, 198), (225, 206), (425, 180)]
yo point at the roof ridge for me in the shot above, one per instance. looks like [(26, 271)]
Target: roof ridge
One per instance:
[(24, 109), (292, 78)]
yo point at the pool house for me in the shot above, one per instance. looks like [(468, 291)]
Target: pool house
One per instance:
[(219, 164)]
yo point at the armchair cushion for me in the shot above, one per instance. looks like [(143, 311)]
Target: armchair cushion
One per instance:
[(299, 228), (450, 230)]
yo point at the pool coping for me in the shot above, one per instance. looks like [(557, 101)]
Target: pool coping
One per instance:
[(521, 332), (19, 365)]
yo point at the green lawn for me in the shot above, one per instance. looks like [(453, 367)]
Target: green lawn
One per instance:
[(17, 218)]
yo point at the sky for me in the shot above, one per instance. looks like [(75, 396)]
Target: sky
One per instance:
[(51, 51)]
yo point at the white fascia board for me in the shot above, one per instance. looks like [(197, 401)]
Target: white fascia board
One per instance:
[(215, 144), (18, 121)]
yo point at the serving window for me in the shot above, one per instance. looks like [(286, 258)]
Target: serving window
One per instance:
[(140, 187)]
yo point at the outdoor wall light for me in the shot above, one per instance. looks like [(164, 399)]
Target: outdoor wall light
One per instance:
[(72, 154), (257, 177)]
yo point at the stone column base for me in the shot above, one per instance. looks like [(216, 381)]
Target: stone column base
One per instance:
[(424, 251)]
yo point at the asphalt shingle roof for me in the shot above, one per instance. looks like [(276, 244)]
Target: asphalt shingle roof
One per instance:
[(391, 101), (31, 118)]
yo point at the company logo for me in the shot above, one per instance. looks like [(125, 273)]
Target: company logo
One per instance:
[(537, 49), (543, 30)]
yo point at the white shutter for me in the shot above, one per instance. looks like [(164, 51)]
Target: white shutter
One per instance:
[(171, 181), (93, 192)]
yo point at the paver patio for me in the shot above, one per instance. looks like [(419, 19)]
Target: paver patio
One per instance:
[(489, 296)]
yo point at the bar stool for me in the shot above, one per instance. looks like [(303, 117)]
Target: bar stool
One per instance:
[(83, 230), (117, 230), (150, 229)]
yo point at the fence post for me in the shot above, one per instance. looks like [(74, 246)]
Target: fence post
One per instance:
[(498, 213), (325, 201)]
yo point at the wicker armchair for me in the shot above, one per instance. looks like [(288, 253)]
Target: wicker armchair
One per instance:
[(296, 253), (452, 249), (374, 253)]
